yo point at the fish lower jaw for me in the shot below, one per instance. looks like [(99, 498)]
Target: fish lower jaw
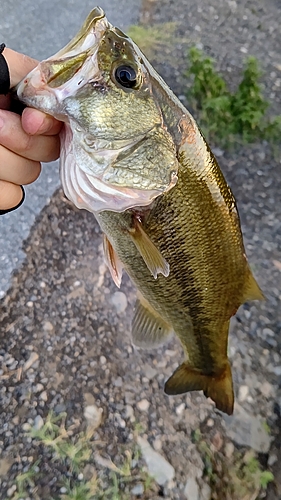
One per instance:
[(32, 91)]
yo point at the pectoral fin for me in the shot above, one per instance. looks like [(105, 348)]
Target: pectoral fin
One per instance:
[(150, 254), (113, 262), (148, 328), (218, 387)]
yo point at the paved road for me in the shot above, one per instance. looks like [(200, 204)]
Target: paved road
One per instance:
[(40, 28)]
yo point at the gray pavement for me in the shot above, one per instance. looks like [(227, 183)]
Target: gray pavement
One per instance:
[(40, 28)]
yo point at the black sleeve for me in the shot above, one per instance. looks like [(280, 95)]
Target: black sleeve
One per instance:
[(4, 73)]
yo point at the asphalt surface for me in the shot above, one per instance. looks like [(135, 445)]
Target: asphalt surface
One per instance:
[(39, 29)]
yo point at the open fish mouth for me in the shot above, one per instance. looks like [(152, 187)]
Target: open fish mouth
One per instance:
[(66, 72)]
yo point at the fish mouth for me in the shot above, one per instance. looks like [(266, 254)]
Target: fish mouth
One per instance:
[(66, 72)]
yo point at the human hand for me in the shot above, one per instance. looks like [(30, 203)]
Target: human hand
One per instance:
[(25, 140)]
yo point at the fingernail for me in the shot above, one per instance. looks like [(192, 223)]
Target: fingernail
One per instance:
[(1, 121)]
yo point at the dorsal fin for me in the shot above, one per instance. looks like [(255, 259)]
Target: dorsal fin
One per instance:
[(149, 329)]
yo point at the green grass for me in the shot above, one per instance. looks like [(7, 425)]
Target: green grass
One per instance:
[(72, 451), (227, 117), (240, 477), (155, 41)]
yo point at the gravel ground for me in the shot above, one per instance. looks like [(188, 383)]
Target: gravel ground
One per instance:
[(65, 342)]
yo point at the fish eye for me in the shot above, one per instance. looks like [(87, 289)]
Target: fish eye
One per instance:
[(126, 76)]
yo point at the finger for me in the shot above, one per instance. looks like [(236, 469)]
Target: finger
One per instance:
[(35, 122), (10, 195), (16, 169), (19, 65), (14, 138), (5, 101)]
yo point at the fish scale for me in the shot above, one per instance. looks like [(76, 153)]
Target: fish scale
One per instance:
[(135, 157)]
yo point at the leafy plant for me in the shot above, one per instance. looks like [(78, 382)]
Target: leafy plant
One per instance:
[(82, 490), (73, 450), (54, 435), (26, 480), (224, 116)]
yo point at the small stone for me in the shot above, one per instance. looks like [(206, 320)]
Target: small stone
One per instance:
[(93, 415), (157, 444), (229, 449), (218, 152), (80, 476), (191, 489), (149, 372), (267, 389), (11, 491), (267, 332), (38, 388), (31, 360), (217, 440), (63, 490), (5, 465), (118, 382), (60, 408), (129, 412), (9, 361), (138, 490), (38, 423), (206, 492), (210, 422), (276, 370), (30, 303), (26, 427), (180, 409), (44, 396), (272, 459), (158, 466), (247, 430), (102, 360), (243, 393), (247, 314), (119, 300), (143, 405), (47, 326)]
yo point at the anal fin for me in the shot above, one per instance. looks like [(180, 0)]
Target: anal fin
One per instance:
[(148, 328), (218, 387), (155, 262), (252, 290), (113, 262)]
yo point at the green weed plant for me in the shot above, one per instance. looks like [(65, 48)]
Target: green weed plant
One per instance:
[(73, 451), (224, 116)]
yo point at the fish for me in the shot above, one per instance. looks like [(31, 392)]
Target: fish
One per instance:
[(134, 156)]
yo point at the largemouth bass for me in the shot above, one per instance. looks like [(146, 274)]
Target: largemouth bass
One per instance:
[(134, 156)]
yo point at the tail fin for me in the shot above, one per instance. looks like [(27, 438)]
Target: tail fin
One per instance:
[(219, 388)]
